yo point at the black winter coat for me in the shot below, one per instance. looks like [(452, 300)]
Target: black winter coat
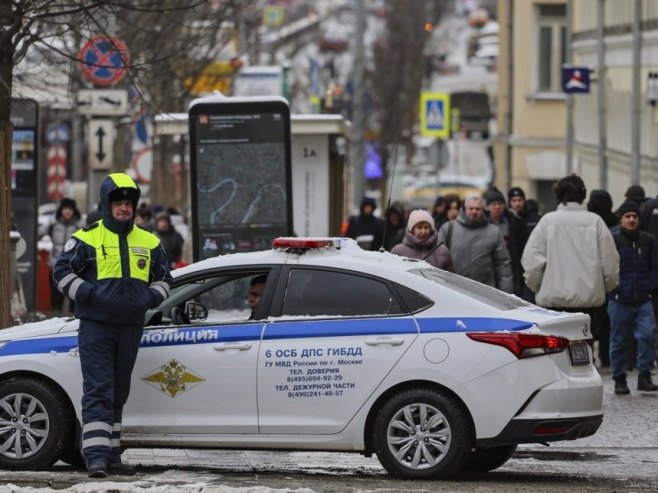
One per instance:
[(518, 237), (362, 225), (172, 242), (638, 268)]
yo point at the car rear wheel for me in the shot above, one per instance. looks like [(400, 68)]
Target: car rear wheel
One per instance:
[(34, 424), (422, 434), (489, 458)]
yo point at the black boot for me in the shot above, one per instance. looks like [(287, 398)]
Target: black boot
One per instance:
[(621, 388), (644, 382)]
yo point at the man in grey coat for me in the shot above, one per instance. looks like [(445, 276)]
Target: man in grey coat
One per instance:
[(477, 247)]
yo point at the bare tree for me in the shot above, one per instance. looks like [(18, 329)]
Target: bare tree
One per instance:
[(399, 69), (170, 41)]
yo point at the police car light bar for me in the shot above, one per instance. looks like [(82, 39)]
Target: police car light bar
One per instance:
[(302, 243)]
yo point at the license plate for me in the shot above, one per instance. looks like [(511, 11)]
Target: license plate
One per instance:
[(578, 353)]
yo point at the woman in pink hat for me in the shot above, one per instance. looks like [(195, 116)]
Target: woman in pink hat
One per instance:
[(420, 242)]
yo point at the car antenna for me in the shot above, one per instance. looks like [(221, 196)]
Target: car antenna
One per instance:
[(390, 192), (433, 249)]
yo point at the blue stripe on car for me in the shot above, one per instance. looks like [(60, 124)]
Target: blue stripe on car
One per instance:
[(340, 328), (193, 335), (343, 327), (470, 324), (36, 346)]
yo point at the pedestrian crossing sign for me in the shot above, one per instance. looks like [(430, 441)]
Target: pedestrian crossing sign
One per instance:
[(435, 114)]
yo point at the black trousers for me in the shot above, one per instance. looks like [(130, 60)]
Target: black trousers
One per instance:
[(107, 358)]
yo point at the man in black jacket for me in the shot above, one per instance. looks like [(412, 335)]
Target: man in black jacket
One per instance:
[(519, 205), (629, 304), (366, 225), (514, 233)]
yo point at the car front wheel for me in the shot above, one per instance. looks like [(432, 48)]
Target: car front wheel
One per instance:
[(33, 424), (422, 434)]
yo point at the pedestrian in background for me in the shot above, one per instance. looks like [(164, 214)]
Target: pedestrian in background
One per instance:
[(365, 227), (172, 241), (629, 305), (421, 242), (67, 221), (522, 207), (514, 232), (94, 215), (570, 260), (114, 272), (453, 206), (144, 217), (394, 227), (439, 212), (649, 223), (477, 247), (600, 203), (649, 216), (637, 194)]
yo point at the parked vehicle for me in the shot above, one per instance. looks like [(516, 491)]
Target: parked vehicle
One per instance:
[(474, 112), (259, 80), (348, 350)]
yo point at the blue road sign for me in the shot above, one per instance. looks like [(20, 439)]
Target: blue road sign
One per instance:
[(575, 79), (57, 133), (435, 114)]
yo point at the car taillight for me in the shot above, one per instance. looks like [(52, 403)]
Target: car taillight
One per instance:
[(522, 345)]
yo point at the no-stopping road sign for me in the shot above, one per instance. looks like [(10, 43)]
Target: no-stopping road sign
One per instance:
[(104, 60)]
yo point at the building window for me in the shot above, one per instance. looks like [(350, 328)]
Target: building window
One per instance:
[(551, 46)]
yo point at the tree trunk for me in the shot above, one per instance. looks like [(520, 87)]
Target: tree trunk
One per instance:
[(5, 215), (6, 69)]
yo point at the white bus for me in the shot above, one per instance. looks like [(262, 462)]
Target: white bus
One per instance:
[(259, 80)]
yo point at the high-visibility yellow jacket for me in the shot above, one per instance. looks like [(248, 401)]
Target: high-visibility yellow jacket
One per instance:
[(113, 270)]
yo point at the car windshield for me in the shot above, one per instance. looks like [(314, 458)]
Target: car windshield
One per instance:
[(481, 292)]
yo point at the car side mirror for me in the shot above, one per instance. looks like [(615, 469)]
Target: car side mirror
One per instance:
[(196, 311)]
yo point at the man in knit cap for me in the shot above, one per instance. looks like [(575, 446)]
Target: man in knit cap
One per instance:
[(629, 304), (514, 233), (519, 205)]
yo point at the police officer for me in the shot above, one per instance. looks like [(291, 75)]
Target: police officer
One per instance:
[(114, 271)]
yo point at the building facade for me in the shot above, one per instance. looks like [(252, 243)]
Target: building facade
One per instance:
[(614, 141), (620, 130)]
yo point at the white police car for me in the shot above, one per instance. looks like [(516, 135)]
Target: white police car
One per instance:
[(348, 351)]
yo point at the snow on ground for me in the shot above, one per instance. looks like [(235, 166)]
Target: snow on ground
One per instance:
[(109, 486)]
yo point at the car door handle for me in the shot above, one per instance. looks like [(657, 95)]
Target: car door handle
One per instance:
[(228, 347), (385, 341), (74, 352)]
